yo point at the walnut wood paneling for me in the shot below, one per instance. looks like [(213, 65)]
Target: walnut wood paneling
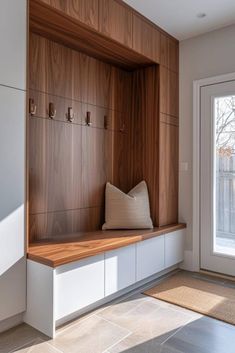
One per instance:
[(59, 69), (173, 95), (96, 164), (121, 82), (38, 57), (54, 224), (115, 21), (150, 134), (146, 38), (169, 119), (173, 55), (90, 80), (138, 148), (169, 53), (168, 174), (134, 113), (169, 92), (55, 160), (58, 26), (85, 11), (69, 163), (42, 100)]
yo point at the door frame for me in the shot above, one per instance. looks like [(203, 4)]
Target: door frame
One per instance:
[(197, 85)]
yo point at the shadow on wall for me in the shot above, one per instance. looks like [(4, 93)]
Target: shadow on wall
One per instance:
[(12, 240), (12, 290)]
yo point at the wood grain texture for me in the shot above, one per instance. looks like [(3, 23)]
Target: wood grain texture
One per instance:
[(76, 247), (173, 55), (146, 39), (97, 158), (85, 11), (133, 105), (146, 133), (168, 174), (169, 92), (169, 119), (137, 147), (62, 28), (55, 161), (53, 224), (69, 163), (169, 53), (115, 21), (61, 104)]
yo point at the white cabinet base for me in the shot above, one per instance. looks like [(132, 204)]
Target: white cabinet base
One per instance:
[(120, 269), (58, 295), (150, 257)]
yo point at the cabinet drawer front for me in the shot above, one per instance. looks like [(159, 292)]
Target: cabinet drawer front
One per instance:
[(78, 285), (120, 269), (150, 257), (174, 248)]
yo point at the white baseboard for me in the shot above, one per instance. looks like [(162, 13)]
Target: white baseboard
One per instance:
[(188, 261), (11, 322)]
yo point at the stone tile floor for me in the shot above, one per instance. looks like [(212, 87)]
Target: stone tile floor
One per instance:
[(133, 324)]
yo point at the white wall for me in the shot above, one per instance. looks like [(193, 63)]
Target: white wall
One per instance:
[(205, 56), (13, 29)]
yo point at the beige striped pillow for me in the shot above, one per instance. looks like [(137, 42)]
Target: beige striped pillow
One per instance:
[(127, 211)]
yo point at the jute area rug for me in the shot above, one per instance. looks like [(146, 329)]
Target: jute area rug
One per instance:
[(207, 297)]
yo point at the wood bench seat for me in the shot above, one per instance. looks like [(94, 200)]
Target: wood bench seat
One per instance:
[(74, 247)]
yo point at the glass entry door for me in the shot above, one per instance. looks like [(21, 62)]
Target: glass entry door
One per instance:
[(217, 178)]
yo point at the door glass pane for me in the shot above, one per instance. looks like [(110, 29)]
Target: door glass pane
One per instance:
[(224, 239)]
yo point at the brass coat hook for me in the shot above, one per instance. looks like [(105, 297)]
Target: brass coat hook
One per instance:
[(88, 119), (32, 107), (106, 122), (70, 114), (122, 128), (52, 110)]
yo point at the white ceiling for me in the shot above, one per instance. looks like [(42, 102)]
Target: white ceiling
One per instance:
[(179, 17)]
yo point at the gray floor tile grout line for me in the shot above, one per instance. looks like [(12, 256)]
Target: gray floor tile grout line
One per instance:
[(57, 349), (173, 334), (116, 343), (114, 324)]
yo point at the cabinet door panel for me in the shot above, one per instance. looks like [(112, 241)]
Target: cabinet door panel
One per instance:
[(116, 21), (146, 39), (13, 43), (150, 257), (168, 174), (174, 248), (169, 92), (119, 269), (169, 53), (78, 285), (85, 11)]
